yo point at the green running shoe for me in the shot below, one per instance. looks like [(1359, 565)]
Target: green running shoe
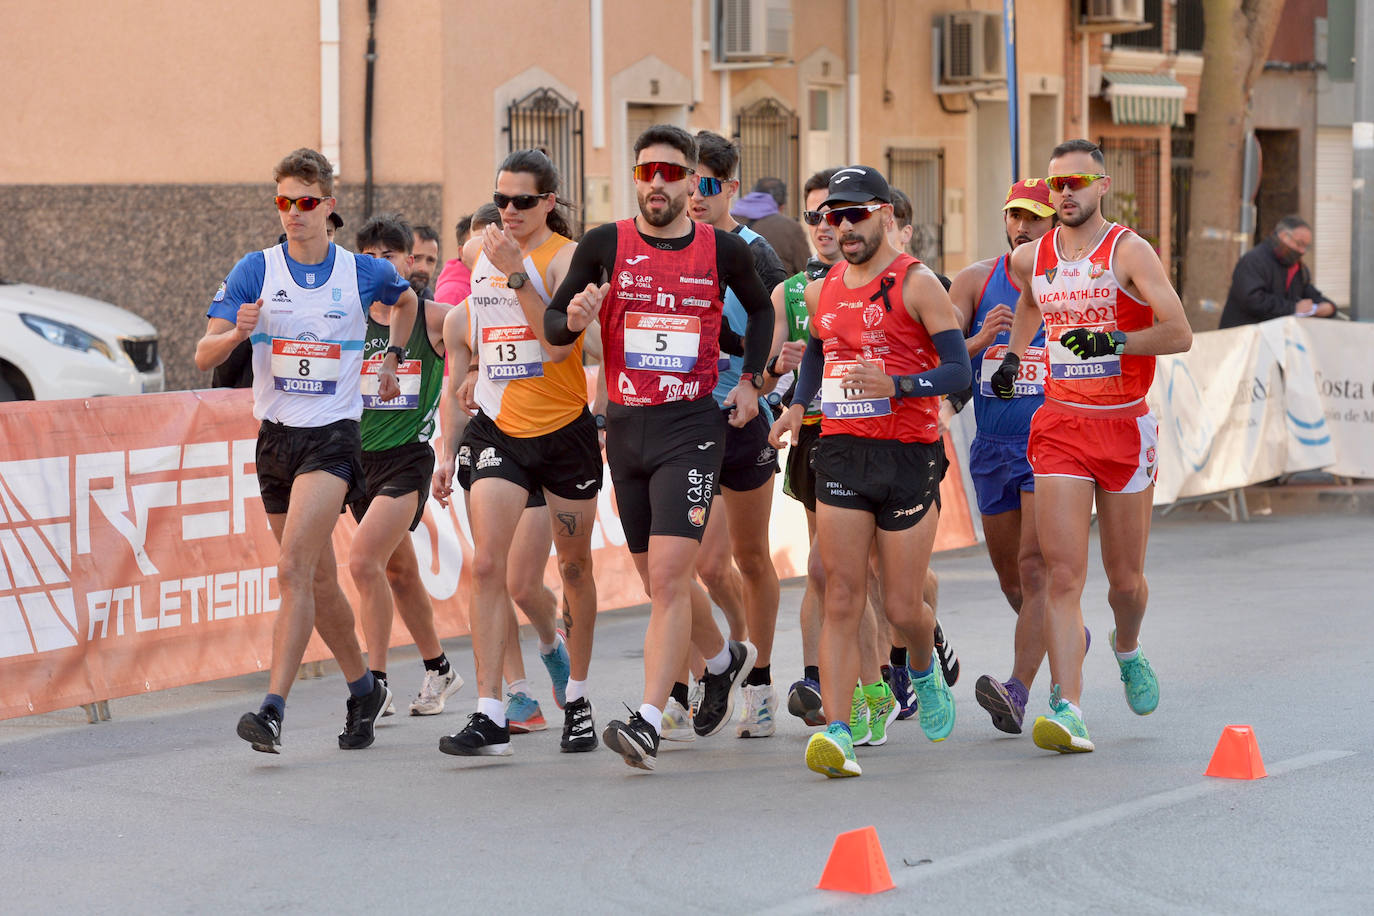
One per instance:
[(831, 753), (1063, 731), (858, 718), (1141, 685), (934, 702), (882, 712)]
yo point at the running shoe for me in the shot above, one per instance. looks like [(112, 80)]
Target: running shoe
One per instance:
[(1064, 731), (858, 719), (804, 701), (718, 696), (1141, 685), (831, 753), (559, 667), (882, 712), (677, 723), (363, 713), (899, 682), (523, 714), (949, 662), (481, 737), (694, 698), (936, 704), (760, 705), (261, 730), (435, 690), (635, 741), (1007, 712), (579, 731)]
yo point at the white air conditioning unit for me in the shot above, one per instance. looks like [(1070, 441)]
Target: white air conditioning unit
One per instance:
[(1104, 11), (754, 29), (972, 48)]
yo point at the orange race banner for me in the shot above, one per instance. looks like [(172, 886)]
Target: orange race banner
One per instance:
[(137, 556)]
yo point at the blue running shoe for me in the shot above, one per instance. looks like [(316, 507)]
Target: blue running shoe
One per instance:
[(1003, 705), (523, 714), (1141, 685), (831, 753), (899, 679), (559, 667), (935, 703), (1064, 731), (804, 701)]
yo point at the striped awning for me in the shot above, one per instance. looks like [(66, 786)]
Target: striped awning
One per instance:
[(1144, 98)]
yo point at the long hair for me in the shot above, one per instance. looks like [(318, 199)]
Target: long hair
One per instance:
[(537, 163)]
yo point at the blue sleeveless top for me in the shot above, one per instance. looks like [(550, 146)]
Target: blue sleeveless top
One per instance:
[(995, 416)]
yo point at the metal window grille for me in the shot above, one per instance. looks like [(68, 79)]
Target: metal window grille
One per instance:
[(1133, 200), (1180, 191), (1188, 26), (547, 121), (1151, 39), (920, 174), (769, 134)]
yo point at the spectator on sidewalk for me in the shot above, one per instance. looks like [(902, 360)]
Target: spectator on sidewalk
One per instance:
[(761, 210), (1270, 280)]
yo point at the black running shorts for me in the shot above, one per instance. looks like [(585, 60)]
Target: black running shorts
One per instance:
[(397, 472), (897, 482), (566, 462), (749, 462), (286, 452)]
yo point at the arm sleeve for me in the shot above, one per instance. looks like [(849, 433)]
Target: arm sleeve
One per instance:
[(244, 284), (954, 373), (589, 260), (767, 264), (736, 268), (809, 372)]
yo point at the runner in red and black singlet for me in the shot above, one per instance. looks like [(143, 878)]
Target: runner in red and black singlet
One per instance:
[(661, 283), (1108, 310)]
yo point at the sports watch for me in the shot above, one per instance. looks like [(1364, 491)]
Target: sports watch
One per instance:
[(906, 386), (399, 351), (517, 279), (755, 379), (1118, 342)]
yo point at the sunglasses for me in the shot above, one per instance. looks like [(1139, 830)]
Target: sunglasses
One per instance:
[(303, 204), (521, 201), (1061, 183), (707, 187), (812, 217), (670, 171), (853, 214)]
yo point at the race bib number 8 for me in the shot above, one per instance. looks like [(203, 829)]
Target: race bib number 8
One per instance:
[(841, 403), (407, 374), (666, 343), (512, 352), (305, 366), (1030, 380)]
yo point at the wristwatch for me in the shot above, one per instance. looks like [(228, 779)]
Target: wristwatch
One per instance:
[(755, 379), (399, 351), (517, 280), (906, 386), (600, 420), (1119, 340), (772, 368)]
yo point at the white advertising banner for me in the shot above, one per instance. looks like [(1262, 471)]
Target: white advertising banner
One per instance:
[(1342, 382)]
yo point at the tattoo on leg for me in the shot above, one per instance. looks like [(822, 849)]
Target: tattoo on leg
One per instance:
[(570, 521)]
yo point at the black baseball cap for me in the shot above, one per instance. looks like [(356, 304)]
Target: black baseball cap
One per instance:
[(336, 219), (858, 184)]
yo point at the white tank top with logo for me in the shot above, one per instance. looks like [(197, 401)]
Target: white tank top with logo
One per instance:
[(308, 345)]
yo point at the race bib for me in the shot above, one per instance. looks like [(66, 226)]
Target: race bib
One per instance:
[(509, 353), (1030, 380), (841, 403), (407, 374), (1066, 366), (664, 343), (305, 366)]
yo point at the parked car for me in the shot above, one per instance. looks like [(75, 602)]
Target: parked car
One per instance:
[(61, 345)]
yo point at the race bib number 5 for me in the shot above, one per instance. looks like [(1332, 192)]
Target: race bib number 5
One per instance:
[(305, 366), (841, 403), (1030, 380), (407, 374), (666, 343), (512, 352)]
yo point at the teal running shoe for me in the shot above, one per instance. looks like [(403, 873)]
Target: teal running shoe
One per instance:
[(934, 702), (523, 714), (858, 718), (1141, 685), (559, 667), (1064, 731), (831, 753)]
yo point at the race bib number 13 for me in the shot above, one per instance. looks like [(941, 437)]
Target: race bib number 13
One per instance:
[(509, 353)]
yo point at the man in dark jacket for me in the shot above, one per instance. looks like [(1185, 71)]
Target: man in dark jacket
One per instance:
[(760, 210), (1271, 281)]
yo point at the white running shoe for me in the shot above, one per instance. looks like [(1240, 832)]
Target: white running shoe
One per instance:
[(677, 723), (760, 710), (434, 691)]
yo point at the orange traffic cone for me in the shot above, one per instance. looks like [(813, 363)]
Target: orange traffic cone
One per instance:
[(857, 864), (1237, 755)]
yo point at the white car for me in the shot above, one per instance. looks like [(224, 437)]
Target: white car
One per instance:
[(61, 345)]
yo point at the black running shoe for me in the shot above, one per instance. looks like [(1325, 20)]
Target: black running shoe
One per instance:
[(636, 741), (718, 699), (579, 731), (949, 662), (262, 730), (363, 713), (481, 737)]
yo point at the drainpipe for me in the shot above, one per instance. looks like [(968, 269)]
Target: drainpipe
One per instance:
[(598, 49), (851, 54), (329, 82), (367, 107)]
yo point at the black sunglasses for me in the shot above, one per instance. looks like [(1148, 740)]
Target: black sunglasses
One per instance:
[(812, 217), (521, 201)]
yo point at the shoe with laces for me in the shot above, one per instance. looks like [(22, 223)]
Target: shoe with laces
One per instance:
[(694, 698), (579, 731), (760, 704), (899, 682), (1064, 730), (363, 713), (831, 753), (718, 696), (434, 692), (559, 667), (1006, 710), (882, 712), (262, 730), (858, 719), (481, 737), (804, 702), (1138, 678), (949, 662), (935, 703), (635, 741), (677, 723), (523, 714)]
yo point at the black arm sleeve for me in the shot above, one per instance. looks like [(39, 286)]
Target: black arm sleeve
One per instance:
[(809, 372), (736, 268), (590, 264), (954, 372)]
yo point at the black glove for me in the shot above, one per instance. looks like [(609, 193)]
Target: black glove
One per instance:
[(1003, 381), (1086, 344)]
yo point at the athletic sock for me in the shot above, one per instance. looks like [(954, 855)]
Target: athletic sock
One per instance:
[(897, 656), (1018, 690), (492, 709), (576, 690), (1076, 711), (812, 673), (363, 685), (717, 663), (438, 665), (274, 705), (759, 677), (680, 693), (843, 725), (926, 673), (1126, 656), (520, 686), (379, 675), (875, 691), (546, 648), (653, 715)]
